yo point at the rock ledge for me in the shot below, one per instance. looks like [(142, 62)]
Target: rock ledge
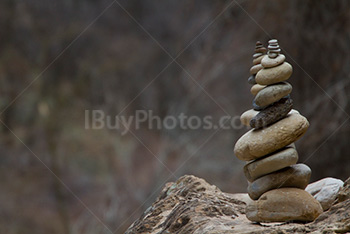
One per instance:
[(191, 205)]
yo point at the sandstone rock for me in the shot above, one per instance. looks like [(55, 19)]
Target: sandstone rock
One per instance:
[(258, 60), (191, 205), (268, 76), (344, 193), (247, 116), (270, 163), (285, 204), (254, 69), (267, 62), (325, 191), (297, 176), (272, 113), (256, 88), (272, 93), (257, 143)]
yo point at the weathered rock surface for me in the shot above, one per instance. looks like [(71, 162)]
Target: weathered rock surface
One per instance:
[(257, 143), (272, 113), (296, 176), (344, 193), (325, 191), (192, 206), (285, 204)]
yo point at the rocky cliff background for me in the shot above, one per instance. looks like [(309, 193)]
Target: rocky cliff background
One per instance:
[(58, 177)]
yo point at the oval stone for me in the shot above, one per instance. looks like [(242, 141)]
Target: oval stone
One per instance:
[(296, 176), (247, 116), (268, 76), (259, 142), (258, 59), (267, 62), (272, 93), (272, 113), (273, 162), (256, 88), (254, 69), (285, 204)]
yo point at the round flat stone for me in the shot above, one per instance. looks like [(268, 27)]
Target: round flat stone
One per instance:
[(272, 93), (296, 176), (260, 142), (247, 116), (273, 41), (260, 50), (256, 55), (267, 62), (258, 59), (272, 55), (282, 205), (256, 88), (254, 69), (272, 162), (272, 113), (274, 75)]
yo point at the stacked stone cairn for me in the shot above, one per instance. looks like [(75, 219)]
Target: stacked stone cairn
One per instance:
[(276, 182)]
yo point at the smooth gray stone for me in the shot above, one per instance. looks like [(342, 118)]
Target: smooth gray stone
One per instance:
[(296, 176), (272, 93), (283, 158)]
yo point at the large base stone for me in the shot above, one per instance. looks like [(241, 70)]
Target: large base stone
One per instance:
[(285, 204)]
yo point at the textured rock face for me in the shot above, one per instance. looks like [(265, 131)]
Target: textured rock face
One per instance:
[(344, 193), (191, 205), (272, 114)]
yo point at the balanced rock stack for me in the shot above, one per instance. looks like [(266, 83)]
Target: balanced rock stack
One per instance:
[(276, 182)]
